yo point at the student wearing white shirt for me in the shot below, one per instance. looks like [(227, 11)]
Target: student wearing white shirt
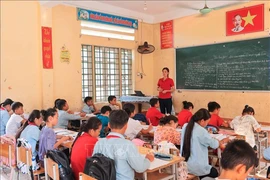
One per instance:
[(16, 119), (113, 104), (134, 126), (246, 124)]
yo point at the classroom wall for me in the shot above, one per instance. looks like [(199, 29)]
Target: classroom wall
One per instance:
[(197, 30), (20, 53)]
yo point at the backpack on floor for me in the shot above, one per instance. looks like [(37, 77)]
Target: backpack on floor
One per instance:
[(65, 172), (100, 167)]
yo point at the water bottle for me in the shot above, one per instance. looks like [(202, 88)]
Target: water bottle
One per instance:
[(62, 172), (34, 163)]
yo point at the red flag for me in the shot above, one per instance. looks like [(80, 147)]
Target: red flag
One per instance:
[(245, 20)]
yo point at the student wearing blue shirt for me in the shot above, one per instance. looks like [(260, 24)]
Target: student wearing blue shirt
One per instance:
[(64, 116), (5, 108), (30, 130), (194, 145), (89, 107), (104, 118), (124, 153)]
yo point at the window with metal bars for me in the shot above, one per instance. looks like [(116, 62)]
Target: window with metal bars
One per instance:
[(87, 73), (112, 72)]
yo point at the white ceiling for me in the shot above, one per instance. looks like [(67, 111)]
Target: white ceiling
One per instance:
[(157, 11)]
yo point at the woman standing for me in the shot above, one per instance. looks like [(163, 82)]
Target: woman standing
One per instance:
[(165, 88)]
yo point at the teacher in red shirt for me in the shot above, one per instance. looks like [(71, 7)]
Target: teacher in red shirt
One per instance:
[(165, 88)]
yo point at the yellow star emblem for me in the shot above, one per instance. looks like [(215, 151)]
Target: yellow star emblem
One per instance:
[(249, 19)]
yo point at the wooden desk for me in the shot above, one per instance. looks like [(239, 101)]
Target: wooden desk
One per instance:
[(65, 132), (155, 174)]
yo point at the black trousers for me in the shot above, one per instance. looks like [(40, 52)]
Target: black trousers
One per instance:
[(165, 105), (213, 173)]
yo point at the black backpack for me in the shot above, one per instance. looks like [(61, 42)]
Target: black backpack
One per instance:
[(61, 159), (100, 167)]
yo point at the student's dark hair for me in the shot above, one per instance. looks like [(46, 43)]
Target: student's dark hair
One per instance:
[(129, 108), (165, 68), (212, 106), (187, 105), (56, 102), (248, 109), (88, 98), (153, 102), (167, 119), (110, 98), (91, 123), (104, 109), (6, 102), (60, 104), (16, 105), (118, 119), (47, 113), (34, 114), (238, 152), (201, 114)]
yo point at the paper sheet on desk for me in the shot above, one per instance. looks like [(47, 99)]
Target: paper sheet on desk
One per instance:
[(157, 163), (221, 136), (265, 128), (90, 115)]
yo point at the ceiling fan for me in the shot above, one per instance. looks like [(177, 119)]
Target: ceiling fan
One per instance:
[(206, 9)]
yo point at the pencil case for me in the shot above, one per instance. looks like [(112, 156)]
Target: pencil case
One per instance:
[(162, 156)]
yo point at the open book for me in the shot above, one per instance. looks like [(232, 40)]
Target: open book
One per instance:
[(221, 136)]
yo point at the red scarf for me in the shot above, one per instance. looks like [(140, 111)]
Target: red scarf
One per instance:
[(31, 123)]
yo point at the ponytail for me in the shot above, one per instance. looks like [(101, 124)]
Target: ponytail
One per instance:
[(47, 113), (35, 114), (187, 105), (247, 110), (201, 114)]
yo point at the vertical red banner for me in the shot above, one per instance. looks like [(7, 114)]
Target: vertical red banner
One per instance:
[(245, 20), (166, 34), (47, 47)]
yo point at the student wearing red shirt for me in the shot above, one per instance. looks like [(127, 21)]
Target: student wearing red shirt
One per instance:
[(214, 108), (83, 145), (153, 114), (165, 88), (185, 115)]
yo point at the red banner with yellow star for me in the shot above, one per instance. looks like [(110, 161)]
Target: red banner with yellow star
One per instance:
[(245, 20)]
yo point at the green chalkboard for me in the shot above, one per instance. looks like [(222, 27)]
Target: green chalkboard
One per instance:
[(240, 65)]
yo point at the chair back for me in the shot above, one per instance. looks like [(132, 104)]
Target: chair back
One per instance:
[(7, 152), (24, 155), (51, 169), (83, 176)]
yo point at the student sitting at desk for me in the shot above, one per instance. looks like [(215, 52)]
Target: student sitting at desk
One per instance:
[(113, 104), (83, 145), (64, 116), (5, 109), (195, 141), (214, 108), (237, 160), (134, 127), (124, 153), (16, 119), (48, 138), (185, 115), (246, 124), (167, 130), (104, 118), (153, 114), (89, 107)]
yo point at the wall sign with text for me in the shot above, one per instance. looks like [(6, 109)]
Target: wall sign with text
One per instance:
[(166, 34), (47, 47), (88, 15), (245, 20)]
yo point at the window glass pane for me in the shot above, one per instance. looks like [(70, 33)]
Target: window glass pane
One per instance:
[(87, 76)]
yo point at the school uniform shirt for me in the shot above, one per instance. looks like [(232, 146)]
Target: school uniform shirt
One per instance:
[(266, 154), (82, 149), (104, 120), (166, 84), (31, 134), (46, 141), (215, 120), (167, 133), (13, 124), (64, 117), (154, 115), (184, 116), (198, 163), (88, 109), (125, 155), (114, 107), (4, 117), (133, 128), (245, 126)]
